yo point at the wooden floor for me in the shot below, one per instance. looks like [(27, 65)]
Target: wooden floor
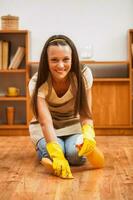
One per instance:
[(23, 178)]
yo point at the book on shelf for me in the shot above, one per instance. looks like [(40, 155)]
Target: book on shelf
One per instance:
[(4, 54), (17, 58)]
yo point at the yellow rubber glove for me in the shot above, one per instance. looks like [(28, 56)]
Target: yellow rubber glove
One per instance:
[(89, 142), (60, 164)]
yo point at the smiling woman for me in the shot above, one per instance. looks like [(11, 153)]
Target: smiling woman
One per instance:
[(61, 103)]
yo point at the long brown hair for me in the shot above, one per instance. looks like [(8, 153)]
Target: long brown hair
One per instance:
[(81, 103)]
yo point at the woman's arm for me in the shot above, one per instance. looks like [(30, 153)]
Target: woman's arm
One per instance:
[(88, 132), (60, 164), (83, 118), (45, 120)]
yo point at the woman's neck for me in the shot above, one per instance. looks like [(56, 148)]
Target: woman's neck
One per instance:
[(61, 86), (60, 82)]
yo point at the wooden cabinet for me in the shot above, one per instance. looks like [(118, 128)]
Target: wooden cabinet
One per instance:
[(111, 107), (111, 95), (15, 78)]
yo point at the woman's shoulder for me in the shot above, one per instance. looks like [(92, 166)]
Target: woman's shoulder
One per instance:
[(85, 69), (87, 74)]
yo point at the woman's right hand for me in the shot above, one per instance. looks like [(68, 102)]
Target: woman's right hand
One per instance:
[(60, 164)]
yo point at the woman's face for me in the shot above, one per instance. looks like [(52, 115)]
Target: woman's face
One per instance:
[(59, 60)]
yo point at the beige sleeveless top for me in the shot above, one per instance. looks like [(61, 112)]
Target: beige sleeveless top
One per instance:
[(61, 108)]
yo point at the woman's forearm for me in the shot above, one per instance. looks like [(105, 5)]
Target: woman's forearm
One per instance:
[(86, 121), (83, 118), (48, 132), (45, 119)]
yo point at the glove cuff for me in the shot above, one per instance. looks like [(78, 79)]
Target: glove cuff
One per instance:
[(54, 149), (88, 131)]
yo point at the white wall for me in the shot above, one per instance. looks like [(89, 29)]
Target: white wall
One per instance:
[(102, 23)]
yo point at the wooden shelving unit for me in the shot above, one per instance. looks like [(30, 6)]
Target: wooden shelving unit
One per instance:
[(16, 78)]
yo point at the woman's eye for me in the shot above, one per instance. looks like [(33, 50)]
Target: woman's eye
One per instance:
[(54, 60), (66, 59)]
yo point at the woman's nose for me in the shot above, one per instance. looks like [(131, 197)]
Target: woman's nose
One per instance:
[(60, 64)]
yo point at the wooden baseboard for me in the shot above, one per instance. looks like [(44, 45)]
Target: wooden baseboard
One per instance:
[(14, 132), (114, 131)]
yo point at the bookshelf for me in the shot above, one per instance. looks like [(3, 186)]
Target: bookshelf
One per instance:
[(17, 77)]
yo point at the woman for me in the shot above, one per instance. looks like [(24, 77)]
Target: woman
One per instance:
[(61, 103)]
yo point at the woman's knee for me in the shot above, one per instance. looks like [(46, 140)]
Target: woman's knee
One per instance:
[(72, 152), (73, 158)]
